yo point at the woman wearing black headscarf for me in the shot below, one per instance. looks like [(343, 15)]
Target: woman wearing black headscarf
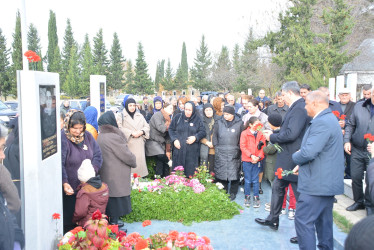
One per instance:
[(186, 130), (207, 148), (116, 169), (136, 131)]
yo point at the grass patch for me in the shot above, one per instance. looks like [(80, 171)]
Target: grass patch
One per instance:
[(342, 223)]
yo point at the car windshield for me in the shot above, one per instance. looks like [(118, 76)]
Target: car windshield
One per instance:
[(3, 106), (74, 105)]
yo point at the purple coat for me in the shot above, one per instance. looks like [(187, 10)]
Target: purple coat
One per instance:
[(72, 157)]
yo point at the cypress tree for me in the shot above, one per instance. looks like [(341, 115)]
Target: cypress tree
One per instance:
[(159, 74), (53, 52), (86, 63), (184, 64), (129, 77), (71, 85), (69, 42), (5, 81), (16, 58), (116, 71), (142, 79), (201, 70), (100, 52), (168, 81), (33, 43)]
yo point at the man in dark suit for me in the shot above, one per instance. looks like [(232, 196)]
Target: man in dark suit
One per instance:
[(320, 167), (289, 138), (347, 108)]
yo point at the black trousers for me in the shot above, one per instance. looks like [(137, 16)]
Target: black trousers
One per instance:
[(277, 196), (162, 167), (359, 163), (68, 209), (231, 187)]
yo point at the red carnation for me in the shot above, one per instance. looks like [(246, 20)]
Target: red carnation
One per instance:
[(336, 113), (136, 175), (56, 216), (279, 173), (97, 215), (146, 223), (342, 117)]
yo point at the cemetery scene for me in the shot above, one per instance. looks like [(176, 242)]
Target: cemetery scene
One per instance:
[(187, 125)]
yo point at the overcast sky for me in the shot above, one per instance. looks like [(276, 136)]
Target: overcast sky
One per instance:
[(160, 25)]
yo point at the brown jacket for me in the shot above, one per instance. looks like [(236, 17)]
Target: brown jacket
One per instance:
[(117, 161), (89, 199), (136, 145), (9, 190)]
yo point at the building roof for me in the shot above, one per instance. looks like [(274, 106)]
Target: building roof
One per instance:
[(364, 61)]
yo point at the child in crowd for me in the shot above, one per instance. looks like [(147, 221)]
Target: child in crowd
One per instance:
[(251, 145), (92, 194)]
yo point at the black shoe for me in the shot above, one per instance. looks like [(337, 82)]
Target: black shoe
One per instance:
[(369, 211), (263, 222), (294, 240), (260, 191), (116, 221), (355, 206), (232, 197)]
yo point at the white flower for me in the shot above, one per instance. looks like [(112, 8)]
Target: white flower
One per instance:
[(219, 185), (209, 180)]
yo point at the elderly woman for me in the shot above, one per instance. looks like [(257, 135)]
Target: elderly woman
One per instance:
[(136, 131), (116, 170), (157, 106), (158, 144), (76, 145), (91, 120), (186, 130), (207, 149), (226, 139)]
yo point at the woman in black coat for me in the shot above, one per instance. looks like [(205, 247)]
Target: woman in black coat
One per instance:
[(226, 142), (186, 130)]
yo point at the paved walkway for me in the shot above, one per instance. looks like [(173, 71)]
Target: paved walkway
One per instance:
[(241, 232)]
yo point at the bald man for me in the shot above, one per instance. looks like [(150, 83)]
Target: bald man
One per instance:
[(320, 166)]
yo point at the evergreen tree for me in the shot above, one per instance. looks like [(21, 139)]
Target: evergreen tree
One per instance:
[(159, 74), (129, 77), (69, 42), (100, 52), (306, 54), (53, 58), (11, 89), (86, 63), (246, 69), (143, 82), (116, 72), (223, 75), (33, 43), (201, 70), (71, 85), (184, 64), (168, 82), (5, 81)]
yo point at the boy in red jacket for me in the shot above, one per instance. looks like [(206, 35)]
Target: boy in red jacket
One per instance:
[(252, 142), (92, 194)]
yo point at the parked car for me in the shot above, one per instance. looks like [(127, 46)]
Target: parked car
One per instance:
[(6, 114), (12, 104), (76, 104)]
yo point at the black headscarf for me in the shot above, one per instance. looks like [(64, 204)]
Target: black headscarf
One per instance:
[(108, 118), (208, 122), (128, 101), (193, 112)]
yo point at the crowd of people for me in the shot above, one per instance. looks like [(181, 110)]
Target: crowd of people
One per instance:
[(316, 142)]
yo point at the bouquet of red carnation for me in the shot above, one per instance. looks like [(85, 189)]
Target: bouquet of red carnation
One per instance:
[(258, 127), (280, 173), (337, 114), (369, 137)]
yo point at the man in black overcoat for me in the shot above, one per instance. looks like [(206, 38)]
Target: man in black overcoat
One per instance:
[(289, 138)]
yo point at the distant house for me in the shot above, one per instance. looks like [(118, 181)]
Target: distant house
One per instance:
[(363, 64)]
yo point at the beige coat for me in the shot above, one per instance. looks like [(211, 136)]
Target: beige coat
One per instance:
[(136, 145)]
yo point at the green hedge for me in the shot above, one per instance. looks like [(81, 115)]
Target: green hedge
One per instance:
[(184, 206)]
